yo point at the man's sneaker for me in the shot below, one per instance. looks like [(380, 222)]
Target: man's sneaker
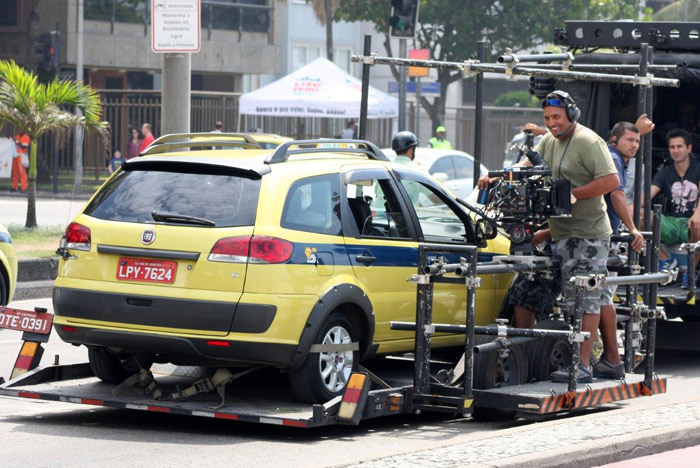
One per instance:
[(669, 264), (585, 375), (605, 370)]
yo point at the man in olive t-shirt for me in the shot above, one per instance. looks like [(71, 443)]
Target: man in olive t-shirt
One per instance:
[(575, 152)]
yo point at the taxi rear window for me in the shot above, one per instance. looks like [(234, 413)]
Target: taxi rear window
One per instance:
[(226, 198)]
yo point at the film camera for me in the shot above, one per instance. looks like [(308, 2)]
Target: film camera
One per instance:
[(524, 198)]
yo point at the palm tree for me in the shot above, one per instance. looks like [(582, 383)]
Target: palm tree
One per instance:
[(323, 10), (38, 109)]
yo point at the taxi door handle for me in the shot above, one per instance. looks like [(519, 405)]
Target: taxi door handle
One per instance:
[(366, 258)]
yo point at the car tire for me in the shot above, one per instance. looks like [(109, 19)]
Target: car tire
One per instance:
[(324, 375), (3, 289), (114, 368), (548, 355), (495, 369)]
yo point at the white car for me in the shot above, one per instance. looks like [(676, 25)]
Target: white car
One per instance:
[(454, 169)]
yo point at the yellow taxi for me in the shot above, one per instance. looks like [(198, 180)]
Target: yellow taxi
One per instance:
[(8, 267), (295, 258)]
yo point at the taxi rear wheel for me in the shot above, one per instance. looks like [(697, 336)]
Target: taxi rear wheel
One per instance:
[(115, 368), (324, 375)]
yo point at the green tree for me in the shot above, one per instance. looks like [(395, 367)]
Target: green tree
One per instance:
[(323, 10), (38, 109), (451, 29), (516, 99), (682, 10)]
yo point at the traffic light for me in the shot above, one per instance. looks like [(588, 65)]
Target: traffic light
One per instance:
[(541, 87), (404, 16), (48, 62)]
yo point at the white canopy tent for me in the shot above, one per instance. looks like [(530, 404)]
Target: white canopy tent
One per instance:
[(319, 89)]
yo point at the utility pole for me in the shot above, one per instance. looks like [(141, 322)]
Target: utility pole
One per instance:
[(177, 59), (175, 116), (403, 20), (78, 142), (57, 45), (403, 53)]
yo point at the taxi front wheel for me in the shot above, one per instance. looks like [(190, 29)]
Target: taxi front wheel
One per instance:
[(324, 374)]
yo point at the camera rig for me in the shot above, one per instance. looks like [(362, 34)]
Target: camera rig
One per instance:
[(524, 198)]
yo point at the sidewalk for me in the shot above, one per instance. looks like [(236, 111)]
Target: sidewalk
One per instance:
[(585, 440)]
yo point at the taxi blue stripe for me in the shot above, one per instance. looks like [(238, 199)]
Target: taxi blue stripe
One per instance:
[(5, 237), (307, 253)]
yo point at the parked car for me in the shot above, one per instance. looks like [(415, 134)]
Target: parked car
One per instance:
[(230, 258), (8, 267), (453, 168)]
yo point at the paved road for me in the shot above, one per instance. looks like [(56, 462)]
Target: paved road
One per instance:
[(38, 433), (13, 210)]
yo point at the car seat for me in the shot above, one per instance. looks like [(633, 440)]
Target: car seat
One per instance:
[(362, 213)]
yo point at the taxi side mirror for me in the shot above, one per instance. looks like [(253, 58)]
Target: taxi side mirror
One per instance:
[(485, 230)]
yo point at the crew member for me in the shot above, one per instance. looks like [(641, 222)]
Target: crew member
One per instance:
[(680, 183), (404, 144), (440, 141), (576, 153), (19, 172)]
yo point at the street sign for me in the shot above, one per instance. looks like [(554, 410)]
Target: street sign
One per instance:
[(425, 88), (418, 54), (175, 25)]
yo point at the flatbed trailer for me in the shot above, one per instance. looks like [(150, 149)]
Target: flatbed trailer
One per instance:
[(74, 383), (393, 386)]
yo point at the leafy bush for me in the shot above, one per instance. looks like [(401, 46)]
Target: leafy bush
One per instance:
[(516, 99)]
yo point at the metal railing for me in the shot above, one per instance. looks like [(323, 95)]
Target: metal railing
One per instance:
[(126, 109)]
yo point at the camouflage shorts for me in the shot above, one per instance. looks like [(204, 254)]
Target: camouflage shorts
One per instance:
[(538, 294), (582, 257)]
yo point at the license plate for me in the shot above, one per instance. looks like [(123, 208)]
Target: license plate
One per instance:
[(25, 320), (152, 271)]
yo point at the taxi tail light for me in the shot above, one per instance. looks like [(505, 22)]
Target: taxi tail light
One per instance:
[(78, 237), (256, 249), (267, 249)]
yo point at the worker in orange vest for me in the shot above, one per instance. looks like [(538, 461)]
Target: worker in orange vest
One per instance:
[(19, 173)]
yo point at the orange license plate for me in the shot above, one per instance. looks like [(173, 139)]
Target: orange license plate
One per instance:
[(152, 271)]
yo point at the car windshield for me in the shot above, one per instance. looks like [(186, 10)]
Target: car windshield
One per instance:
[(134, 195)]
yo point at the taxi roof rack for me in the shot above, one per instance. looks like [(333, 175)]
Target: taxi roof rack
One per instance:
[(187, 140), (282, 153)]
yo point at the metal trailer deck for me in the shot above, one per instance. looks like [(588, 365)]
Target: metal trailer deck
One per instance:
[(266, 398)]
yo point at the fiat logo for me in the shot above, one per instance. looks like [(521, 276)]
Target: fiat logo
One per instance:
[(148, 236)]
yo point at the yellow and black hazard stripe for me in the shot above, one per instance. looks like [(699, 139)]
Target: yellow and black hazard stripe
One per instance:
[(594, 397)]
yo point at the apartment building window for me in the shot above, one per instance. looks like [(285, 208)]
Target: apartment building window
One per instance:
[(237, 15), (231, 15), (120, 11), (10, 17)]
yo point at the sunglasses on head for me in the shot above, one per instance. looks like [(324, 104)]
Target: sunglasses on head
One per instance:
[(553, 102)]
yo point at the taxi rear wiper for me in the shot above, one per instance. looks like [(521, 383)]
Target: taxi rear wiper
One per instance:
[(178, 218)]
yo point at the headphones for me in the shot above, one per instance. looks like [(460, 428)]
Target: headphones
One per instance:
[(573, 113)]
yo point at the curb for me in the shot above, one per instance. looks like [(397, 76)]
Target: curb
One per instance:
[(35, 277), (585, 440), (617, 449), (37, 269)]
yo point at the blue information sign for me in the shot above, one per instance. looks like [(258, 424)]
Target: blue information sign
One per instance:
[(426, 88)]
